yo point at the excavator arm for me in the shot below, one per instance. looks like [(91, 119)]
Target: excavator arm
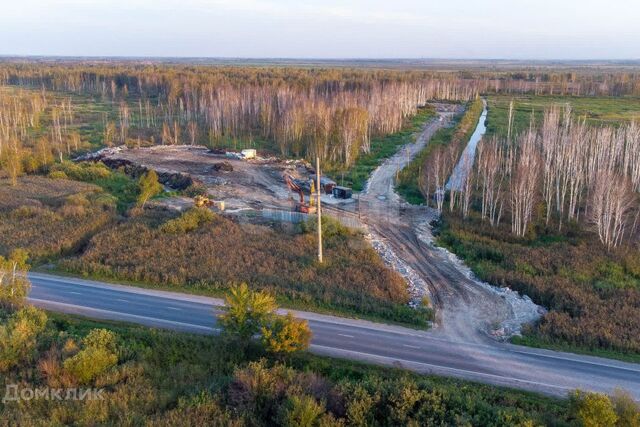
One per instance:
[(294, 187)]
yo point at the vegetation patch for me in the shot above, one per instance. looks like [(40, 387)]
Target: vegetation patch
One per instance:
[(381, 148), (410, 183), (597, 111), (200, 253), (592, 295), (152, 377), (50, 217), (125, 189)]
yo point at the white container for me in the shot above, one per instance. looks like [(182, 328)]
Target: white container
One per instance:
[(249, 153)]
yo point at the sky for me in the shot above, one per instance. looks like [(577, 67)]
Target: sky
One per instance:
[(488, 29)]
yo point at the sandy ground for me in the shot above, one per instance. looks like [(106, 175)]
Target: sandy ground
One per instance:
[(252, 183), (467, 310)]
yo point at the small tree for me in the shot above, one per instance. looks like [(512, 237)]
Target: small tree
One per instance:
[(247, 312), (148, 186), (627, 409), (14, 284), (285, 334), (253, 313), (98, 355), (593, 409), (19, 337), (301, 411)]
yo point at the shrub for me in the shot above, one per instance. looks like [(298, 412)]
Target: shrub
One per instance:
[(188, 221), (301, 411), (97, 356), (627, 409), (286, 334), (19, 337), (88, 172), (196, 189), (58, 174), (593, 409)]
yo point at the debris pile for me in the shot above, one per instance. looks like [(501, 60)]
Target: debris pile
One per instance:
[(523, 309), (418, 288), (222, 167)]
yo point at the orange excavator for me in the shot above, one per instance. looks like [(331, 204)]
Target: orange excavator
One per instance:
[(301, 206)]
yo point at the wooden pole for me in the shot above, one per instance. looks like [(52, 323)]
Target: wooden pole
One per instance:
[(319, 209)]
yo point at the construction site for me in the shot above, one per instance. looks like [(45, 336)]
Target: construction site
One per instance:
[(234, 181), (254, 188)]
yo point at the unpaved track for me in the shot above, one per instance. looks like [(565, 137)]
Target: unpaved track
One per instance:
[(465, 311)]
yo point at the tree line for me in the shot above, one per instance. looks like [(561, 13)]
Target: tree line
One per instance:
[(35, 129), (303, 112), (560, 172)]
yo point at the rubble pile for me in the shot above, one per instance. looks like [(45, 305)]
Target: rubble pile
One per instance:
[(418, 288), (524, 310)]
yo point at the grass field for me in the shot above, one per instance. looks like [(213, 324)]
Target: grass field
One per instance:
[(50, 217), (596, 110)]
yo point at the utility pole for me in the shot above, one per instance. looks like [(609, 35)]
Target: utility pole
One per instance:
[(319, 209)]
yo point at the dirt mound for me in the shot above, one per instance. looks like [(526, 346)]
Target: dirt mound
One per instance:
[(223, 167)]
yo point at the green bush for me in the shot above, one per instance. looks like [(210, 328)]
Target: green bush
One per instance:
[(188, 221), (19, 337), (302, 411), (58, 174), (122, 187), (87, 172), (593, 409), (98, 356)]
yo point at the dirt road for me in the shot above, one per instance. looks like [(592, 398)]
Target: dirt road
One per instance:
[(467, 310)]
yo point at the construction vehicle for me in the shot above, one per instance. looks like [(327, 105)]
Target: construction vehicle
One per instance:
[(202, 201), (301, 206)]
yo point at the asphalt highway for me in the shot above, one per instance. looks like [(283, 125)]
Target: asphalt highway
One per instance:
[(544, 371)]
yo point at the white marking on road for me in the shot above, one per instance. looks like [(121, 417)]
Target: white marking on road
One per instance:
[(174, 308), (74, 293), (36, 277), (411, 346), (446, 368), (80, 308), (122, 300), (346, 336), (569, 359)]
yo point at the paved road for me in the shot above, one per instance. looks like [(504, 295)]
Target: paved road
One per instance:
[(501, 364)]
